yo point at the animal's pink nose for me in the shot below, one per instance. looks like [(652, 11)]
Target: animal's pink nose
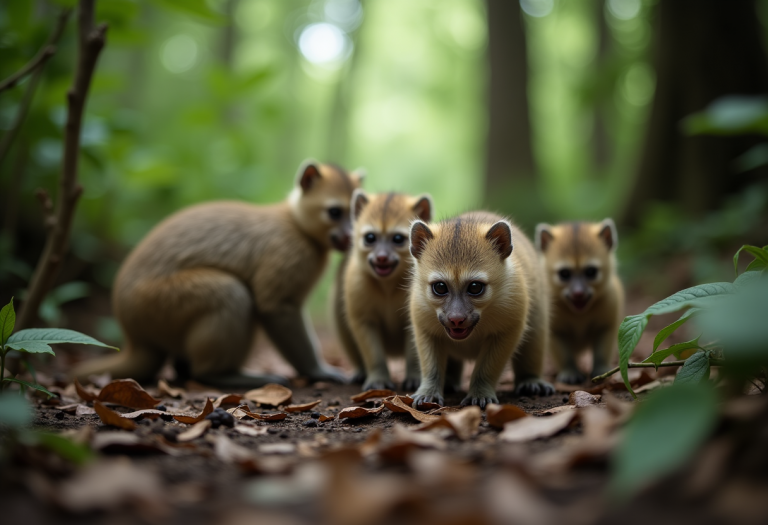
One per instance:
[(457, 319)]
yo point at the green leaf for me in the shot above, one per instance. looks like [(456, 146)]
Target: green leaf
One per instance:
[(657, 357), (7, 322), (632, 327), (15, 411), (197, 8), (669, 330), (30, 385), (663, 434), (66, 448), (760, 254), (756, 265), (695, 370), (37, 340)]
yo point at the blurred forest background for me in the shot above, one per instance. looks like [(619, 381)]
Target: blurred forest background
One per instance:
[(651, 112)]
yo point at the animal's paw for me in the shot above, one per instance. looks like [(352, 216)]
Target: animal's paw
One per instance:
[(571, 377), (377, 383), (358, 377), (427, 397), (481, 400), (411, 384), (534, 386), (329, 374)]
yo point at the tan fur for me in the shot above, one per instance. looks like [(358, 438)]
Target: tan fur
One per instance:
[(376, 307), (512, 310), (575, 247), (197, 285)]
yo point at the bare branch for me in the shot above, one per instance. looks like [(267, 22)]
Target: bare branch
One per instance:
[(91, 41), (49, 219), (712, 362), (37, 65)]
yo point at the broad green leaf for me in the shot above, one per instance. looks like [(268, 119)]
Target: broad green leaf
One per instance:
[(632, 327), (747, 279), (669, 330), (695, 370), (197, 8), (66, 448), (37, 340), (7, 322), (663, 434), (657, 357), (756, 265), (15, 411), (30, 385), (760, 254)]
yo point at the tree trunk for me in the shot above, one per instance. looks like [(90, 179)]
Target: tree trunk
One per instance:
[(703, 49), (509, 154)]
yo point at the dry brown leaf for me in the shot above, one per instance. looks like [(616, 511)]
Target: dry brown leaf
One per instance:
[(85, 395), (530, 428), (554, 410), (277, 448), (195, 431), (402, 441), (227, 399), (498, 415), (191, 420), (264, 417), (302, 408), (465, 422), (228, 451), (127, 393), (149, 413), (399, 403), (357, 412), (167, 390), (84, 410), (581, 398), (110, 417), (323, 418), (110, 484), (372, 394), (248, 430), (271, 395)]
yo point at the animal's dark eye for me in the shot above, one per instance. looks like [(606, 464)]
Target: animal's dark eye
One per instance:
[(475, 288), (439, 288), (398, 238), (565, 274), (335, 213), (590, 272), (369, 238)]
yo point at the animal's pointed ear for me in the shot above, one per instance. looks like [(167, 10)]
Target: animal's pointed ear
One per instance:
[(358, 176), (358, 203), (500, 235), (308, 174), (608, 233), (420, 236), (544, 236), (423, 207)]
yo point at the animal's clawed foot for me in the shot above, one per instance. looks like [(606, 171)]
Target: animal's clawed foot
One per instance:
[(411, 384), (571, 377), (419, 399), (534, 386), (373, 383), (328, 373), (482, 400)]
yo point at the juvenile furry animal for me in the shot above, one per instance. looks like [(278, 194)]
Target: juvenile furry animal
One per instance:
[(198, 284), (587, 295), (478, 293), (376, 283)]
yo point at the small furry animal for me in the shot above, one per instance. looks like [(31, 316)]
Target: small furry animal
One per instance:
[(478, 293), (587, 295), (197, 286), (376, 284)]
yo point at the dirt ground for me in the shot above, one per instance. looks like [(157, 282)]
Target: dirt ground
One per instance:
[(382, 468)]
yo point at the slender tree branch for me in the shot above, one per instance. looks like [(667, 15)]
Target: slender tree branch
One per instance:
[(609, 373), (91, 42), (36, 66)]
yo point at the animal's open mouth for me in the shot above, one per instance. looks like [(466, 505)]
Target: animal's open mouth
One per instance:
[(581, 303), (382, 270), (459, 333)]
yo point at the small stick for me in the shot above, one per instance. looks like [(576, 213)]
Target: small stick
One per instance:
[(712, 362)]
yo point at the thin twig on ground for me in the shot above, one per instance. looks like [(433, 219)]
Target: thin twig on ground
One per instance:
[(648, 365)]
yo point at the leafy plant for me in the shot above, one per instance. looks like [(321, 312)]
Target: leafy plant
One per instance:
[(33, 341), (727, 315)]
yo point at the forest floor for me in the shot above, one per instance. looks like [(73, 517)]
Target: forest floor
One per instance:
[(344, 460)]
